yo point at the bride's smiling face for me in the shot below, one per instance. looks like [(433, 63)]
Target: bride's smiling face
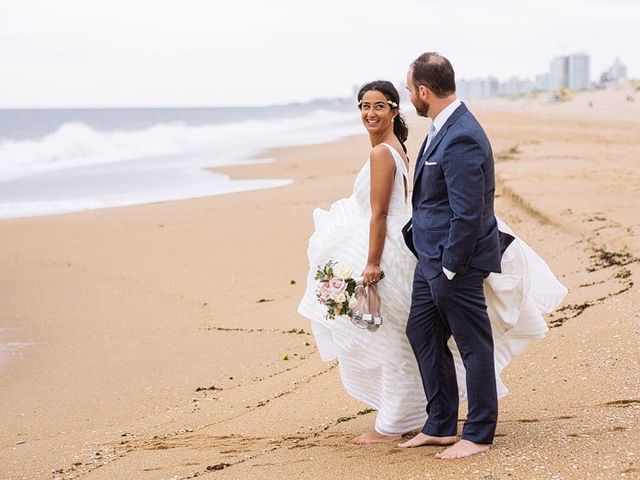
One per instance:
[(376, 113)]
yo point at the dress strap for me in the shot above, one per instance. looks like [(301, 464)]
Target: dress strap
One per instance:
[(398, 159)]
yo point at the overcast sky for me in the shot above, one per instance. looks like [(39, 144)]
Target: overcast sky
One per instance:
[(253, 52)]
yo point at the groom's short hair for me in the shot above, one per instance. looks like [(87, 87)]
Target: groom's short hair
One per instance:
[(434, 72)]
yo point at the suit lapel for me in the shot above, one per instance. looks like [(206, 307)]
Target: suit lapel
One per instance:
[(432, 146), (417, 167), (423, 157)]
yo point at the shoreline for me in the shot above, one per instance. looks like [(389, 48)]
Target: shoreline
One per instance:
[(141, 319), (89, 205)]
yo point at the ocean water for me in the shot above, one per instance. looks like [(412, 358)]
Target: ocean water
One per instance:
[(69, 160)]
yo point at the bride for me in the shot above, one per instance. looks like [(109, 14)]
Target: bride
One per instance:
[(364, 232)]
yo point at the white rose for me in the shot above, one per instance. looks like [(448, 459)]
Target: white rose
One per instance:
[(341, 298), (353, 303), (341, 270)]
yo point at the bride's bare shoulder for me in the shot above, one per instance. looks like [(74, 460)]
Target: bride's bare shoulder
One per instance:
[(380, 154)]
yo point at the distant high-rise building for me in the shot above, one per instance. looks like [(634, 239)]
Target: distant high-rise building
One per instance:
[(615, 73), (491, 86), (468, 89), (579, 69), (510, 87), (558, 73), (571, 71), (515, 86), (477, 87)]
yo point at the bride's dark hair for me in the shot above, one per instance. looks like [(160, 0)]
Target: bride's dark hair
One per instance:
[(386, 88)]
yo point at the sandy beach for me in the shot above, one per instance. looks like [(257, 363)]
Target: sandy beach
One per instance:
[(162, 341)]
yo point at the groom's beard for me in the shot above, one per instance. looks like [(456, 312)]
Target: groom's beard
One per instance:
[(422, 108)]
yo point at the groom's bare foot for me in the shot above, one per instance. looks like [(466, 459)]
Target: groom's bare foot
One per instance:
[(463, 448), (422, 439), (372, 437)]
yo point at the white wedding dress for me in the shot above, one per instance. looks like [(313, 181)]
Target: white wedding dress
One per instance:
[(379, 368)]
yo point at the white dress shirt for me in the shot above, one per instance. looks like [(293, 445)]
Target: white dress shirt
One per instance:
[(437, 124), (444, 115)]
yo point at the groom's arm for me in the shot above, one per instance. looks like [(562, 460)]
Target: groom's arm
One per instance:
[(462, 165)]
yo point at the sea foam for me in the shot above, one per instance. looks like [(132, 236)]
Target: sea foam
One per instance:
[(78, 167)]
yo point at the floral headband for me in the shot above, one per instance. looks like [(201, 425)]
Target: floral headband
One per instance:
[(390, 102)]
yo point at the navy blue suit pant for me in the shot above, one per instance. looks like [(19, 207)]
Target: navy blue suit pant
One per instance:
[(441, 308)]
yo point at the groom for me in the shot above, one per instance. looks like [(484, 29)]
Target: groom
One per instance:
[(455, 235)]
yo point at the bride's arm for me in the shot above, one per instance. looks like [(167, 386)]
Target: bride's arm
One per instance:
[(383, 170)]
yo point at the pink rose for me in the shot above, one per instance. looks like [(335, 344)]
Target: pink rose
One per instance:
[(337, 285), (324, 291)]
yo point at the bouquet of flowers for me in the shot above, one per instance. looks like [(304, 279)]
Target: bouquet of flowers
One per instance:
[(344, 295), (336, 288)]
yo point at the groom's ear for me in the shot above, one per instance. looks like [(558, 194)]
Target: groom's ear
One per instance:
[(424, 92)]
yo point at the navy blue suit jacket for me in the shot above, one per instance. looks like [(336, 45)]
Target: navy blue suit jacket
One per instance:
[(453, 219)]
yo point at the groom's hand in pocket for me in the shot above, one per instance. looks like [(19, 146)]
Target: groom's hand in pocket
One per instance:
[(441, 287)]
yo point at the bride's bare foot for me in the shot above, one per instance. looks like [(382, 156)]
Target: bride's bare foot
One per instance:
[(372, 437), (463, 448), (421, 440)]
